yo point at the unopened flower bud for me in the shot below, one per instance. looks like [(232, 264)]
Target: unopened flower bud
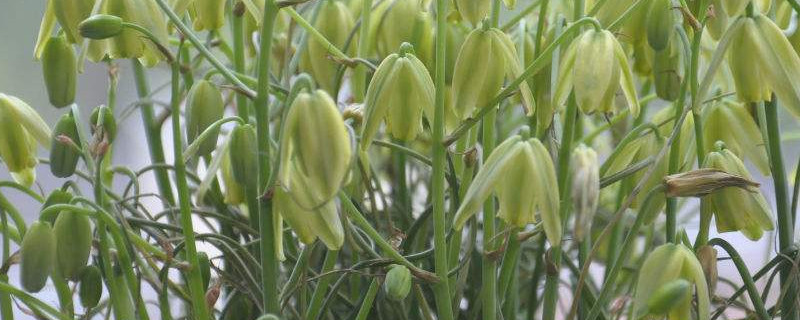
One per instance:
[(37, 256), (60, 70), (659, 289), (73, 234), (660, 24), (64, 155), (244, 156), (398, 282), (204, 106), (90, 288), (101, 26), (58, 196), (702, 182), (585, 188)]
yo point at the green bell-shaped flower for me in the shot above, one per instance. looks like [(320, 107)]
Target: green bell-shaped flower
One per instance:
[(595, 66), (336, 23), (473, 10), (731, 123), (522, 176), (204, 106), (736, 209), (208, 14), (487, 56), (316, 139), (70, 13), (398, 21), (585, 188), (21, 128), (401, 92), (660, 291)]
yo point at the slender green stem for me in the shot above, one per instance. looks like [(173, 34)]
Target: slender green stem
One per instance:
[(199, 308), (785, 220), (755, 297), (369, 299), (31, 301), (442, 288), (315, 307)]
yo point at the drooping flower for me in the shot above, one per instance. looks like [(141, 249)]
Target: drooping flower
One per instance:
[(21, 128)]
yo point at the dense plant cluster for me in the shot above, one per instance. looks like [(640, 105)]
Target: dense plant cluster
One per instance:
[(456, 159)]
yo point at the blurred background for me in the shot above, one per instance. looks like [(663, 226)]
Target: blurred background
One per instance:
[(21, 76)]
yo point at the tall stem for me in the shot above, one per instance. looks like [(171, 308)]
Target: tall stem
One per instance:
[(269, 261), (441, 288), (785, 220), (199, 308)]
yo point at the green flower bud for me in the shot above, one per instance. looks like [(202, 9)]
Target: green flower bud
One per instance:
[(658, 291), (73, 234), (70, 13), (126, 42), (486, 57), (668, 72), (63, 154), (58, 196), (731, 123), (234, 191), (660, 24), (336, 23), (473, 10), (101, 26), (244, 156), (595, 65), (107, 126), (315, 137), (512, 172), (398, 282), (736, 209), (91, 287), (669, 296), (208, 14), (60, 70), (21, 128), (305, 215), (204, 106), (585, 188), (37, 256), (400, 92)]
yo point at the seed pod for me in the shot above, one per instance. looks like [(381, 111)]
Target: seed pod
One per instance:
[(63, 155), (73, 234), (473, 10), (58, 196), (707, 256), (60, 70), (397, 283), (595, 65), (21, 128), (205, 268), (512, 171), (91, 287), (37, 255), (335, 22), (70, 13), (244, 156), (204, 106), (107, 126), (316, 138), (660, 24), (736, 209), (731, 123), (101, 26), (400, 92), (669, 296), (585, 188), (667, 72), (486, 57), (657, 288), (305, 215), (209, 14)]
